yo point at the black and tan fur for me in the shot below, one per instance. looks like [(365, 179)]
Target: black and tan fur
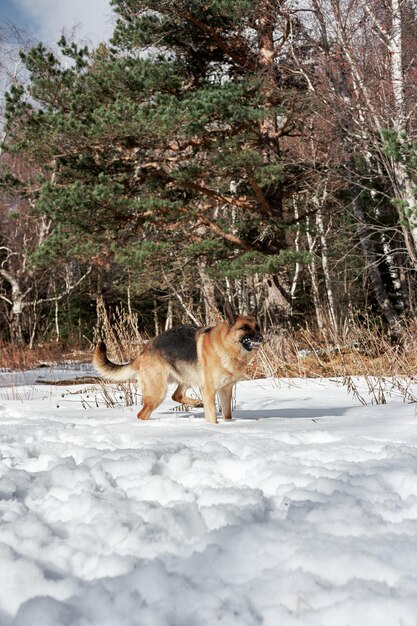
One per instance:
[(213, 359)]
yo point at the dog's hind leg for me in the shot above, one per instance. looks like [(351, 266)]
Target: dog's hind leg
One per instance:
[(153, 385), (149, 405), (179, 396)]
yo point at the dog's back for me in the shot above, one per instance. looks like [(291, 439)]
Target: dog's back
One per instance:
[(178, 344)]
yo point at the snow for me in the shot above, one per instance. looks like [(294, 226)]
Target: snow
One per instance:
[(301, 511)]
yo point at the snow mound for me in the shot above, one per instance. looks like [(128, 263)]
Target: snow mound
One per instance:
[(303, 510)]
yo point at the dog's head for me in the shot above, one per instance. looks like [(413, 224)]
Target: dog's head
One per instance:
[(247, 332)]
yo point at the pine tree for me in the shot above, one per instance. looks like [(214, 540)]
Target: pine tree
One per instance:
[(175, 152)]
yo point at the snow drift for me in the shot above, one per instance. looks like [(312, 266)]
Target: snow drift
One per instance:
[(303, 510)]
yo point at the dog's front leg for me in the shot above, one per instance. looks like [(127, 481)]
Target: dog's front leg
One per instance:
[(225, 395), (209, 402)]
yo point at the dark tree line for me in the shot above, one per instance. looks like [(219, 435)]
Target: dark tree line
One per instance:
[(257, 153)]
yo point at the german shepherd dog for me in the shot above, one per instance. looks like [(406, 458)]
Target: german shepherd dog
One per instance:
[(211, 358)]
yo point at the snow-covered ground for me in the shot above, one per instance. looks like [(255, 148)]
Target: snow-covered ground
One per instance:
[(301, 511)]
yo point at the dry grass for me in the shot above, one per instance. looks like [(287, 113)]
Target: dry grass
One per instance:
[(387, 368), (362, 352), (119, 332), (19, 358), (124, 342)]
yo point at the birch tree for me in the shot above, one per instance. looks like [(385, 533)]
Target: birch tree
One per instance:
[(347, 55)]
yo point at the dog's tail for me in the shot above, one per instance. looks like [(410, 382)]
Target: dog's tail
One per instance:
[(109, 370)]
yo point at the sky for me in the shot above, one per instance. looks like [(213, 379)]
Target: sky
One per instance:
[(45, 20)]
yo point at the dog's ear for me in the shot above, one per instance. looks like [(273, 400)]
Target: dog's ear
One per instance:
[(228, 312)]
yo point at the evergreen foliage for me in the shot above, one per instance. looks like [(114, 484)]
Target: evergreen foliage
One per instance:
[(148, 146), (185, 146)]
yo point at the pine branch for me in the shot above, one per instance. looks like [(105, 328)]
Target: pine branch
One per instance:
[(241, 60), (234, 239)]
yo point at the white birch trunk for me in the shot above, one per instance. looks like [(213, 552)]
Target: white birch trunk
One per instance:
[(169, 321), (312, 268), (406, 188), (297, 264), (326, 272)]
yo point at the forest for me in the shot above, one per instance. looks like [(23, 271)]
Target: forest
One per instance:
[(258, 156)]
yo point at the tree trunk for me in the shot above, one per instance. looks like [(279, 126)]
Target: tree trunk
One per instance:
[(405, 186), (15, 325), (277, 301), (169, 321), (15, 315), (211, 312), (155, 318), (314, 280), (372, 269), (327, 274)]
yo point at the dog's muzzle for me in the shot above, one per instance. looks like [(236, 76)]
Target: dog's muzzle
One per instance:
[(251, 342)]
